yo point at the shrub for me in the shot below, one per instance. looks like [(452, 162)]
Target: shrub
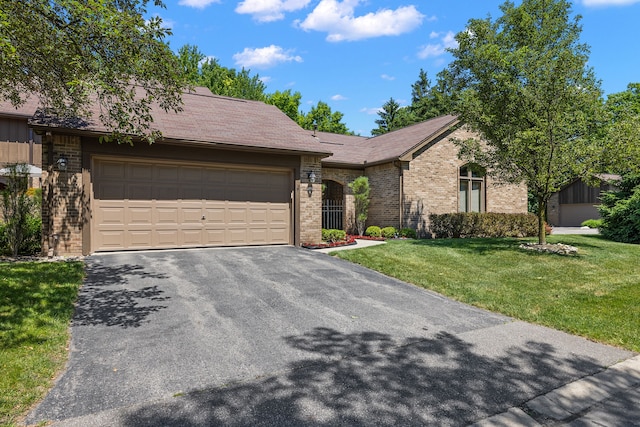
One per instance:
[(373, 231), (592, 223), (409, 233), (486, 224), (332, 235), (620, 212), (389, 232), (361, 190)]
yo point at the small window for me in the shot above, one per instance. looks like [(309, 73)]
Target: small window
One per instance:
[(471, 189)]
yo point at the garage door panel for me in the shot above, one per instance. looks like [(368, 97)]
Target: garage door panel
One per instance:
[(166, 238), (151, 204), (214, 237), (140, 171), (166, 216), (140, 215), (279, 215), (140, 239), (139, 191)]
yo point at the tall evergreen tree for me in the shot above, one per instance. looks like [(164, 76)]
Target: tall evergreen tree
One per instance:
[(392, 117)]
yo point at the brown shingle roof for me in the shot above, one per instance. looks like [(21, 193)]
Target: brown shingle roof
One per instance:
[(355, 151), (25, 111), (206, 118)]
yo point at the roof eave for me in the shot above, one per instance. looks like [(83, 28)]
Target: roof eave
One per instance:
[(177, 141), (408, 155)]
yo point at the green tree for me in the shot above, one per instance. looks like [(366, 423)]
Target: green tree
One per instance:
[(524, 85), (71, 53), (360, 189), (16, 206), (620, 211), (623, 139), (325, 119), (229, 82), (287, 102), (392, 117), (190, 59)]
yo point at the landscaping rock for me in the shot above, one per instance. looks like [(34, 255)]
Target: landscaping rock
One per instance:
[(556, 248)]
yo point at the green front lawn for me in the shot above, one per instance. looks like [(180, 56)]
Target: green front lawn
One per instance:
[(595, 294), (36, 305)]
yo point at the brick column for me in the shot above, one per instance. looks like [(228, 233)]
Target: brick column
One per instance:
[(310, 206), (63, 204)]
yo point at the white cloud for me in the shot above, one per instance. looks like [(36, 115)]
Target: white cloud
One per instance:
[(198, 4), (387, 77), (337, 18), (431, 50), (338, 97), (270, 10), (264, 57), (595, 3), (265, 79), (371, 111)]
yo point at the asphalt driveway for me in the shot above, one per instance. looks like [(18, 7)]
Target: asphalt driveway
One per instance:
[(287, 336)]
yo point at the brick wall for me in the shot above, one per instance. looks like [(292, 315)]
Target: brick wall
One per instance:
[(384, 208), (431, 185), (64, 207), (310, 209), (345, 177)]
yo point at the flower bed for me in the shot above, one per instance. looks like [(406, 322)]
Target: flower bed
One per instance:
[(350, 240)]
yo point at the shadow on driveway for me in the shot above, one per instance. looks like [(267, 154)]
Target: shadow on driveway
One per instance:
[(370, 379), (105, 301)]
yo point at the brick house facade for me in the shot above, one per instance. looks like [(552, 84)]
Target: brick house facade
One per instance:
[(412, 173), (245, 175)]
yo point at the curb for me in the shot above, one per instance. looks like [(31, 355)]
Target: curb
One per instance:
[(572, 401)]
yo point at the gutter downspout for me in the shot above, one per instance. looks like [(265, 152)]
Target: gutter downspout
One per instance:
[(398, 164)]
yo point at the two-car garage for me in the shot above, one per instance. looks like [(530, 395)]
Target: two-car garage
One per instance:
[(149, 204)]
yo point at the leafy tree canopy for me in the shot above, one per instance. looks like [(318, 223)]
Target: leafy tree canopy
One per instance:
[(325, 119), (624, 133), (72, 52), (525, 86), (287, 102)]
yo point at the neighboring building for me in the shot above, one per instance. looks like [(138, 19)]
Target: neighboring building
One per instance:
[(18, 142), (413, 172), (578, 202), (231, 172)]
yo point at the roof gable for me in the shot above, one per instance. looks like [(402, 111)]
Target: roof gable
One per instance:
[(397, 145)]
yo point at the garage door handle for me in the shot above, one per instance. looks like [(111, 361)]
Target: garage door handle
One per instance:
[(203, 217)]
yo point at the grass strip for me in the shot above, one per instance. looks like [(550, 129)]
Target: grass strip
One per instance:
[(595, 294), (36, 306)]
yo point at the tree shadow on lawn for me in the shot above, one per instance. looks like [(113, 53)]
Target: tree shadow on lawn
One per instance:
[(371, 379), (47, 289), (109, 297)]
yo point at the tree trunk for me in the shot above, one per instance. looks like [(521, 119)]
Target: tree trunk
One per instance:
[(542, 232)]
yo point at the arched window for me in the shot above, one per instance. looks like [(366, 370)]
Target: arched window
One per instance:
[(472, 188)]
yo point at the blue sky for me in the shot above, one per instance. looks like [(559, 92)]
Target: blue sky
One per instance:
[(356, 54)]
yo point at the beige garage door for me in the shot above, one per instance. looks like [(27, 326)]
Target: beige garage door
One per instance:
[(150, 204)]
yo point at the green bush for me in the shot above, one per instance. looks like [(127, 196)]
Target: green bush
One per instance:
[(389, 232), (409, 233), (373, 231), (592, 223), (486, 224), (332, 235), (620, 211)]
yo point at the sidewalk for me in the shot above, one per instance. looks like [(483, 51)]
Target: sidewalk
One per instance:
[(360, 243), (608, 398)]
